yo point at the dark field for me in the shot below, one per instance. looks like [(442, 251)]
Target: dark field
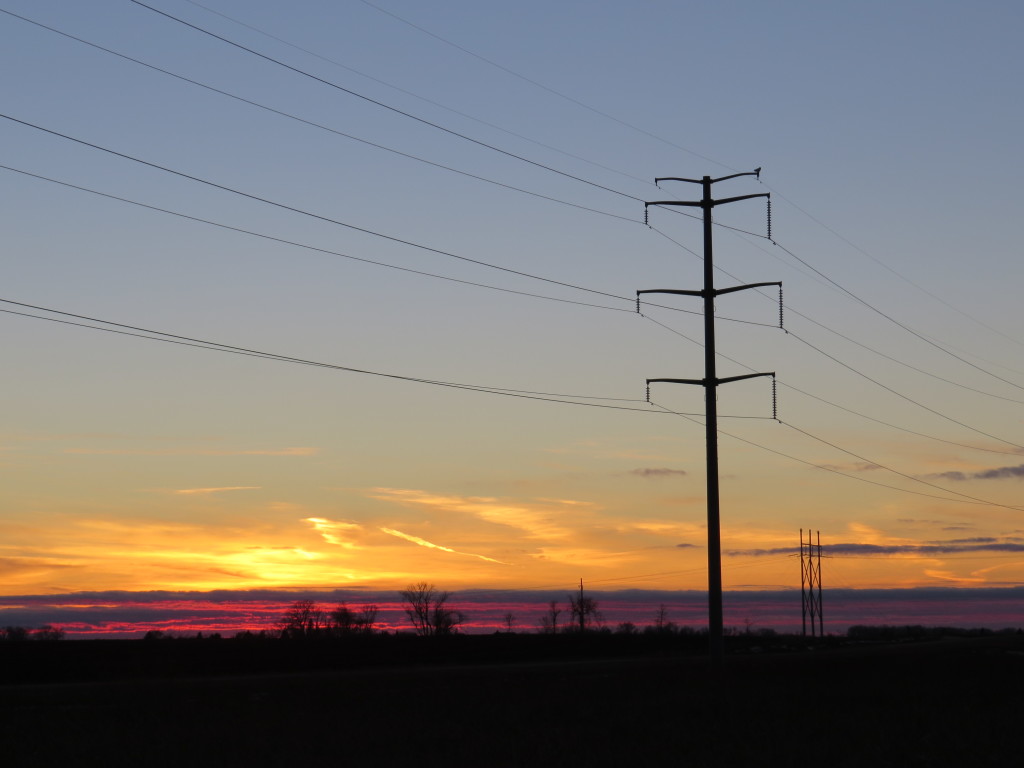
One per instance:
[(955, 702)]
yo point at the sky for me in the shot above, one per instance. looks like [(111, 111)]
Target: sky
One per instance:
[(334, 297)]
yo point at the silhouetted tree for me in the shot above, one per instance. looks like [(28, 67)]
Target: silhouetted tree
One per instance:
[(345, 621), (584, 613), (48, 632), (13, 633), (427, 609), (510, 620), (366, 620), (661, 618), (249, 635), (549, 621), (661, 625), (305, 619), (627, 628)]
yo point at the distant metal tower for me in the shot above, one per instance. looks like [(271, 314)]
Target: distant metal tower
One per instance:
[(810, 579)]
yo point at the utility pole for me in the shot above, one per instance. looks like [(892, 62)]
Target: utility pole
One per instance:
[(710, 383), (583, 615)]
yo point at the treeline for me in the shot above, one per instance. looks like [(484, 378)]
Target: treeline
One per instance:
[(920, 632), (431, 613), (17, 634)]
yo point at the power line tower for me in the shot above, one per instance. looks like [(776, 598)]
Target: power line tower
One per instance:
[(710, 383), (810, 579)]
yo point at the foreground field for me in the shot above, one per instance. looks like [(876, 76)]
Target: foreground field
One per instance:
[(944, 702)]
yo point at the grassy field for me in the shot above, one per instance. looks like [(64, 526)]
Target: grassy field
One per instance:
[(956, 701)]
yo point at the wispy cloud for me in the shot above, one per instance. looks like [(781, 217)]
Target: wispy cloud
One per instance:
[(536, 518), (338, 532), (223, 489), (999, 473), (952, 578), (649, 472), (431, 545)]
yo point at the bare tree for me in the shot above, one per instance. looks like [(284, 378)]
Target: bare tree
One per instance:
[(48, 632), (303, 620), (584, 613), (661, 618), (366, 619), (14, 633), (510, 621), (549, 621), (345, 621), (428, 610), (661, 626)]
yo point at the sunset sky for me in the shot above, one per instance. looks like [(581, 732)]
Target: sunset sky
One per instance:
[(345, 299)]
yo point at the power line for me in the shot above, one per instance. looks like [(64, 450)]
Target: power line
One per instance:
[(414, 95), (836, 405), (898, 274), (902, 362), (901, 395), (333, 221), (546, 88), (689, 151), (217, 347), (848, 338), (895, 426), (387, 106), (293, 209), (851, 368), (314, 248), (379, 234), (897, 323), (564, 96), (320, 126), (777, 452), (943, 346), (894, 471), (352, 137), (171, 338)]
